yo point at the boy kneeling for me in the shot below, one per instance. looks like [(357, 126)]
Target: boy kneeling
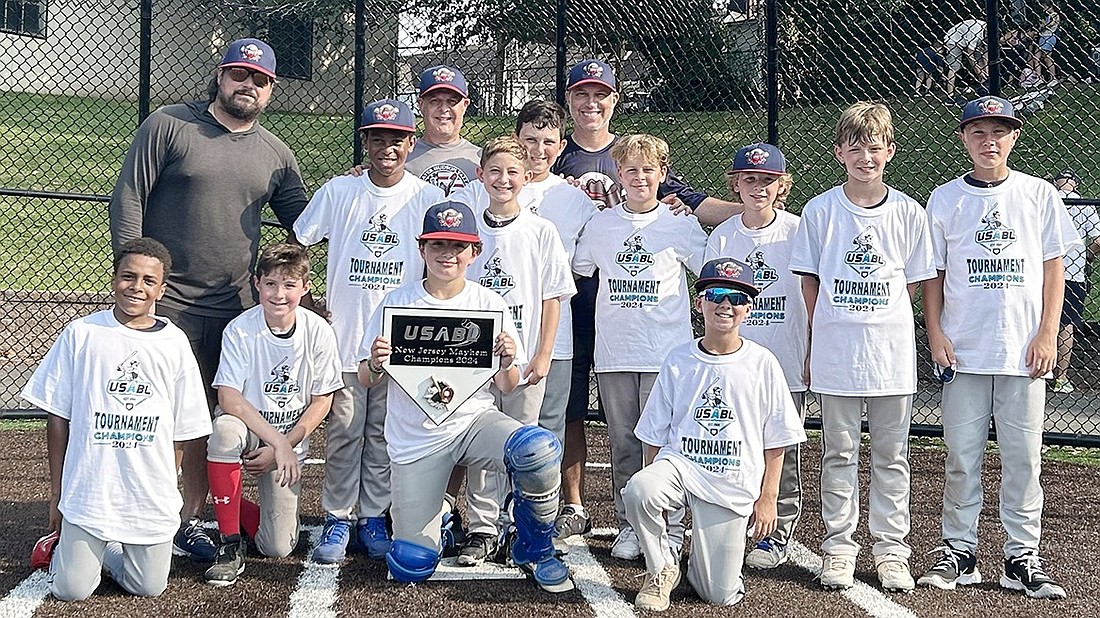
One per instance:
[(715, 428)]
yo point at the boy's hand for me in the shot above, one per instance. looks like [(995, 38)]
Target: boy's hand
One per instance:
[(765, 517), (943, 353), (53, 523), (356, 171), (380, 351), (676, 205), (505, 348), (537, 369), (1041, 353)]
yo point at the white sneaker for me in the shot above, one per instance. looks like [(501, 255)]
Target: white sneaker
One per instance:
[(893, 573), (767, 554), (626, 545), (838, 572), (656, 591)]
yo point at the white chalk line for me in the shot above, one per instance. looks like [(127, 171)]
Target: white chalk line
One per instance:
[(25, 598), (594, 582), (318, 584)]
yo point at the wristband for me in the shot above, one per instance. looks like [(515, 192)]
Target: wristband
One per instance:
[(374, 370)]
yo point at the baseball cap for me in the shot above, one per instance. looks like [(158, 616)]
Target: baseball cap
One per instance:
[(434, 78), (727, 272), (388, 114), (250, 54), (759, 158), (989, 107), (450, 220), (1067, 174), (591, 72), (42, 552)]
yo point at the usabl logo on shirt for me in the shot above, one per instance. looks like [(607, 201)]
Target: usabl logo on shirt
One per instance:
[(129, 388), (282, 387), (714, 415), (865, 259), (994, 236), (495, 278), (635, 259), (762, 274), (378, 238)]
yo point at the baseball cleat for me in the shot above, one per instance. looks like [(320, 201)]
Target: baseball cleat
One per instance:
[(43, 551), (332, 549), (893, 573), (626, 545), (1026, 574), (373, 535), (838, 572), (550, 574), (480, 547), (956, 567), (192, 541), (572, 521), (229, 563), (768, 554)]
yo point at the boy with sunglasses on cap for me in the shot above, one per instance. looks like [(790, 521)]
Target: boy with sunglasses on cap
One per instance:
[(862, 248), (643, 252), (992, 311), (423, 450), (715, 429), (371, 222), (764, 236)]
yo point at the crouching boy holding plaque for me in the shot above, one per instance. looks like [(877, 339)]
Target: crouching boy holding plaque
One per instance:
[(438, 342)]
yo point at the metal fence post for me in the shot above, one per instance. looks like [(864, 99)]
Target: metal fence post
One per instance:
[(771, 62), (145, 53), (993, 43), (559, 55), (360, 67)]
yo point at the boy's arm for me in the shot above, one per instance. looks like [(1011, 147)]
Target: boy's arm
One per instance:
[(765, 513), (943, 353), (810, 287), (1042, 349), (540, 362), (57, 443), (371, 373), (650, 454), (508, 377), (234, 403), (315, 412)]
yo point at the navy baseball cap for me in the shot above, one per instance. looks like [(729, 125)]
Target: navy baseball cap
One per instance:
[(727, 272), (763, 158), (450, 220), (434, 78), (388, 114), (250, 54), (990, 107), (592, 72)]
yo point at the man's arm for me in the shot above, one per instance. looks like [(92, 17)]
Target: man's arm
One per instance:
[(1042, 349), (140, 170), (765, 513), (57, 443)]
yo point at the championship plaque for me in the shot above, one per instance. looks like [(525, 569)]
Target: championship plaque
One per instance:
[(441, 357)]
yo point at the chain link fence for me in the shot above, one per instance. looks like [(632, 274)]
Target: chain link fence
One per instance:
[(705, 75)]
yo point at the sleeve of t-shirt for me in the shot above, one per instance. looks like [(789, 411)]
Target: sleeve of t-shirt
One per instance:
[(315, 222), (806, 251), (1059, 234), (327, 374), (783, 426), (140, 169), (695, 245), (584, 263), (190, 407), (51, 385), (289, 198), (234, 365), (919, 266), (714, 246), (674, 183), (655, 424), (557, 275), (936, 233)]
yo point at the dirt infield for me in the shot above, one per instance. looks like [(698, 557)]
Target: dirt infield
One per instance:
[(281, 587)]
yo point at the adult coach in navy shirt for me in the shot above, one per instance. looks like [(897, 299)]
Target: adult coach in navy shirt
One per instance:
[(195, 178), (592, 94)]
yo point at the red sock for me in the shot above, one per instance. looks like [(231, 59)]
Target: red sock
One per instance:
[(225, 491), (250, 517)]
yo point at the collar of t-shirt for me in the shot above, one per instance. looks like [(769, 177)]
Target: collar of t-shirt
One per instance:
[(982, 184), (287, 335), (157, 326)]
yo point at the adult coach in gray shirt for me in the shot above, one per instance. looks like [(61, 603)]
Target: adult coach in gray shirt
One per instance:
[(195, 178), (442, 156)]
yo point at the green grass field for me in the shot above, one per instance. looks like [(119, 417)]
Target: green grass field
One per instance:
[(75, 144)]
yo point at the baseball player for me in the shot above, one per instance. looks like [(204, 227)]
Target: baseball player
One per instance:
[(123, 392), (764, 235), (999, 238), (371, 222), (863, 247), (965, 41), (442, 156), (279, 369), (1087, 223), (475, 434), (715, 429)]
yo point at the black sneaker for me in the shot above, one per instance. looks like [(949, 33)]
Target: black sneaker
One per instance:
[(192, 541), (957, 567), (1025, 573), (480, 546), (229, 563)]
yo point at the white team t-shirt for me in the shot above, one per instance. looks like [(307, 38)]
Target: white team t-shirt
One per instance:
[(863, 333), (128, 396), (1087, 223), (372, 246), (991, 245), (778, 318), (526, 264), (642, 307), (280, 376), (713, 416), (410, 434), (568, 208)]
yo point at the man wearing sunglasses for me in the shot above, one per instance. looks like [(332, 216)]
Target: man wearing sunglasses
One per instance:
[(195, 178)]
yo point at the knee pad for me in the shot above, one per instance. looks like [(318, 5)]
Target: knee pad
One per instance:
[(411, 563), (533, 457)]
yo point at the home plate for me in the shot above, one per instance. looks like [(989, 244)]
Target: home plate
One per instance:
[(448, 570)]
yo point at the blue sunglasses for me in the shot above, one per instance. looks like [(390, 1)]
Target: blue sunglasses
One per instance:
[(717, 295)]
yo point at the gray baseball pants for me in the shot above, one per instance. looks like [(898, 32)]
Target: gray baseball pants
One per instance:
[(624, 394), (357, 466), (79, 559)]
